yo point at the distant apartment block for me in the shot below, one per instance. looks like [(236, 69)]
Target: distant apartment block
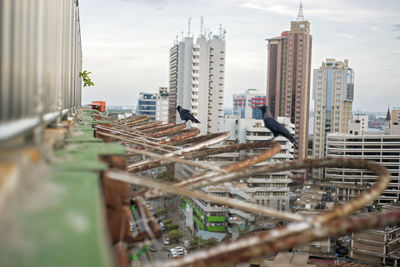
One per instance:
[(162, 105), (154, 104), (147, 104), (378, 245), (202, 215), (359, 125), (197, 79), (288, 78), (333, 93), (246, 105), (376, 147)]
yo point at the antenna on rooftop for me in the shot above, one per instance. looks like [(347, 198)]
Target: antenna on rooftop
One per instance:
[(201, 27), (182, 35), (220, 31), (300, 15), (189, 24)]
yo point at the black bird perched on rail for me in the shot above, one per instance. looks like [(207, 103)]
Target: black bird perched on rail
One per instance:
[(275, 127), (186, 115)]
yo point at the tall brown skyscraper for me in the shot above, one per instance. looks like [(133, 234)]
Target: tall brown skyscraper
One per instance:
[(288, 85)]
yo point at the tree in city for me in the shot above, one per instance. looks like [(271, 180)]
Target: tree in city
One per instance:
[(172, 226), (167, 221), (87, 81), (161, 212), (197, 242), (175, 235)]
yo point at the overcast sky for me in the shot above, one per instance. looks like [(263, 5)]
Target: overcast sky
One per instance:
[(126, 43)]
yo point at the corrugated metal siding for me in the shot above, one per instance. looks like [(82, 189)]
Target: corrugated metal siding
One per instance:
[(41, 57)]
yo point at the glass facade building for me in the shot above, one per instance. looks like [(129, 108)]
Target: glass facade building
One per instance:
[(147, 104)]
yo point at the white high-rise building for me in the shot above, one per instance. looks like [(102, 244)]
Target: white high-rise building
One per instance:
[(333, 91), (197, 78), (162, 105), (272, 189)]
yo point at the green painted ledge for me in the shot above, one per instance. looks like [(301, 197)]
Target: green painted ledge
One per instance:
[(68, 227), (66, 230)]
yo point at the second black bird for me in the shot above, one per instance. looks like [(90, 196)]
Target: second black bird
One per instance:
[(275, 127), (186, 115)]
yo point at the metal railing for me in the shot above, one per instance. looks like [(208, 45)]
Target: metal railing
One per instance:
[(41, 57)]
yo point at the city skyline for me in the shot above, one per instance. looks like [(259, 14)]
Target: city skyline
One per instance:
[(122, 47)]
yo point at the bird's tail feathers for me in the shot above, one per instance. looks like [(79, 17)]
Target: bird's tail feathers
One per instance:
[(295, 144), (293, 141), (196, 120)]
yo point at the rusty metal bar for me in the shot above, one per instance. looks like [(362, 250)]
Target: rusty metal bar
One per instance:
[(138, 141), (298, 233), (233, 203), (197, 179), (169, 131), (185, 134), (159, 128), (151, 163), (126, 121), (339, 211), (149, 125), (137, 122), (174, 159), (197, 139), (289, 236), (135, 135), (227, 149), (302, 231)]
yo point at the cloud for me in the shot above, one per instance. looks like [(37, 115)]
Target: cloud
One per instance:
[(346, 35), (374, 28), (396, 27), (158, 3), (338, 10)]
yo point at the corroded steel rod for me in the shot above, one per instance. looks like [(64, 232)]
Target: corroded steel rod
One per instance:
[(174, 159), (149, 125), (151, 163), (233, 203), (198, 179), (279, 239), (169, 131)]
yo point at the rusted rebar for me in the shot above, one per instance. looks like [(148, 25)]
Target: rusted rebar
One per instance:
[(173, 140), (151, 163), (169, 131), (149, 125), (290, 236), (186, 146), (197, 179), (174, 159), (233, 203)]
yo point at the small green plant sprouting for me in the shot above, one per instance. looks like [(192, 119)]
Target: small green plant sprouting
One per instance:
[(87, 82)]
